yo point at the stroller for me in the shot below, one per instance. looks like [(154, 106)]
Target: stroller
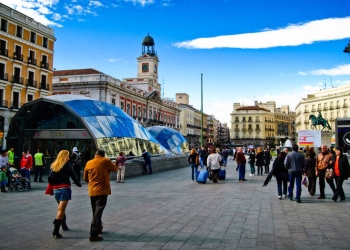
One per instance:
[(17, 182)]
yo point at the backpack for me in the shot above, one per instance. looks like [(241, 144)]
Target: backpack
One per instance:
[(77, 160)]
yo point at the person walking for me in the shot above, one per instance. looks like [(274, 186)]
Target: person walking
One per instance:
[(192, 160), (3, 179), (39, 163), (251, 161), (241, 161), (259, 160), (26, 166), (310, 171), (324, 161), (295, 163), (213, 163), (267, 158), (120, 162), (59, 178), (97, 175), (224, 155), (147, 157), (75, 161), (340, 169)]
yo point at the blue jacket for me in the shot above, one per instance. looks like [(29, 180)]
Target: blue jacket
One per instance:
[(295, 162)]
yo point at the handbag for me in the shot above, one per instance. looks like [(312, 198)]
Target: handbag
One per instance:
[(304, 182), (329, 173), (49, 189)]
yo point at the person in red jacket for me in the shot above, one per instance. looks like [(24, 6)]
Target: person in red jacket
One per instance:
[(25, 167), (29, 166)]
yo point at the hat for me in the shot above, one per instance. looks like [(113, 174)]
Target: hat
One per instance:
[(75, 149)]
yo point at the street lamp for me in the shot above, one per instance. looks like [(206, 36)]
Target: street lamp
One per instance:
[(347, 48)]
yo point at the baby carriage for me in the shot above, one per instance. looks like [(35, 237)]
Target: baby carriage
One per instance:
[(17, 182)]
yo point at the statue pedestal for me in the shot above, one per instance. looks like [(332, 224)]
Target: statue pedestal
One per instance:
[(326, 138)]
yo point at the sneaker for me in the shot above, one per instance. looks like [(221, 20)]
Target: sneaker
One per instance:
[(95, 238), (298, 200), (321, 197), (118, 181), (284, 196), (291, 198), (250, 174), (279, 197)]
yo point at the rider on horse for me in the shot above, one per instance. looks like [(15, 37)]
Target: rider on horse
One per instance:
[(319, 118)]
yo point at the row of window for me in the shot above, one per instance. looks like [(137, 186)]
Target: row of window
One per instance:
[(153, 114), (250, 119), (18, 56), (325, 115), (19, 33), (325, 105), (15, 100)]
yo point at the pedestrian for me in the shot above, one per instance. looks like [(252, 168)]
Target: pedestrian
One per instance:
[(10, 155), (281, 174), (259, 160), (75, 161), (192, 160), (59, 178), (26, 166), (295, 163), (324, 161), (213, 163), (241, 161), (224, 155), (147, 158), (120, 162), (340, 169), (3, 179), (97, 175), (251, 161), (267, 158), (310, 171), (39, 162)]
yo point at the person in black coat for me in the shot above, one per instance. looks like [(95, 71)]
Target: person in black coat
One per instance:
[(310, 171), (340, 165), (259, 160), (267, 158)]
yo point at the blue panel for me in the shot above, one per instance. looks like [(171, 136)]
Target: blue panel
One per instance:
[(123, 127), (114, 126), (79, 108), (104, 124), (96, 133), (94, 123)]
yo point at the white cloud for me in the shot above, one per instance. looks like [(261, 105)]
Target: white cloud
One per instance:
[(38, 10), (337, 71), (141, 2), (57, 17), (302, 73), (95, 3), (112, 60), (292, 35)]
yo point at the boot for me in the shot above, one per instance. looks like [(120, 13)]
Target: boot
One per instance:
[(3, 190), (64, 225), (56, 230)]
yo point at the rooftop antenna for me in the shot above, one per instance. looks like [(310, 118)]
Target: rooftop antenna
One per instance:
[(163, 82)]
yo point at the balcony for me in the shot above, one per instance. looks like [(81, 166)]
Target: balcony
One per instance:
[(337, 107), (331, 107), (257, 120), (32, 61), (18, 56), (44, 85), (44, 65), (331, 119), (15, 105), (236, 120), (306, 111), (345, 106), (313, 110), (31, 83), (325, 108), (250, 120), (4, 77), (306, 122), (4, 104), (4, 52), (17, 79)]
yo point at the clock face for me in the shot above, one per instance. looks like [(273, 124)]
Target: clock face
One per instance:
[(145, 67), (155, 68)]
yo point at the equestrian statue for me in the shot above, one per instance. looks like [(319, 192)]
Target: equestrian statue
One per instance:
[(319, 120)]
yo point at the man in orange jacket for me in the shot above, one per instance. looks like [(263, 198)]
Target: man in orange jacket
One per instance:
[(96, 174)]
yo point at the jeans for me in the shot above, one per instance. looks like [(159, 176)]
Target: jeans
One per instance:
[(339, 192), (62, 194), (321, 178), (26, 173), (282, 179), (201, 161), (295, 177), (252, 167), (149, 163), (241, 172), (194, 169), (98, 204), (39, 172), (224, 161)]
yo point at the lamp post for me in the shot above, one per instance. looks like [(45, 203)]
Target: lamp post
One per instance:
[(347, 48)]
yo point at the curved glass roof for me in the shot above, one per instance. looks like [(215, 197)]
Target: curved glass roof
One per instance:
[(170, 139)]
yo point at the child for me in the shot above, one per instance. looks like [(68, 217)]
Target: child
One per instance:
[(3, 179)]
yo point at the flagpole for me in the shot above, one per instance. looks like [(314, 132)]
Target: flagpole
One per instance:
[(202, 109)]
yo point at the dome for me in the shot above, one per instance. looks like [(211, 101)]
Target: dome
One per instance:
[(148, 41), (170, 139)]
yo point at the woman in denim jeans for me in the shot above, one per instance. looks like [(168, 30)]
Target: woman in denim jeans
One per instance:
[(192, 159), (61, 172)]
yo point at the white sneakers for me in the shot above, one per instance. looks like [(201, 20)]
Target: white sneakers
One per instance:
[(251, 174), (279, 197)]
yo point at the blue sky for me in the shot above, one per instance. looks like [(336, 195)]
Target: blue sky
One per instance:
[(247, 50)]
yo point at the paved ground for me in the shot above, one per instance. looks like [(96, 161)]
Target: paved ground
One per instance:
[(167, 210)]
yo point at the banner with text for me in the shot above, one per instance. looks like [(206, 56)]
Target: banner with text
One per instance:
[(311, 138)]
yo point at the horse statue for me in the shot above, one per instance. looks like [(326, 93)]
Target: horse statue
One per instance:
[(320, 121)]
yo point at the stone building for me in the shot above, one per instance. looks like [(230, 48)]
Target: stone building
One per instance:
[(26, 58), (139, 97)]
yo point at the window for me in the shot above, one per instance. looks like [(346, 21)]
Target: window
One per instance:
[(30, 80), (122, 106), (19, 31), (18, 53), (29, 98), (43, 82), (31, 57), (128, 108), (113, 101), (139, 112), (17, 76), (133, 110), (44, 63), (3, 75), (32, 37), (144, 113), (45, 42), (15, 100), (3, 50), (4, 25)]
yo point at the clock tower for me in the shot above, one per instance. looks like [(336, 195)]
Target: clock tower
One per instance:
[(147, 64)]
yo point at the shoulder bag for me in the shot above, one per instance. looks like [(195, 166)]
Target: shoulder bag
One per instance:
[(329, 173)]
